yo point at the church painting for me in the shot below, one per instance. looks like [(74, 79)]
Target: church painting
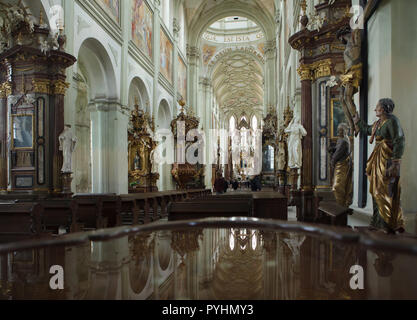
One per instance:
[(182, 78), (208, 53), (261, 48), (142, 27), (166, 57), (112, 8)]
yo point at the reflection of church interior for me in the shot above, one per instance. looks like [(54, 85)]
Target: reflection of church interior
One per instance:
[(208, 149)]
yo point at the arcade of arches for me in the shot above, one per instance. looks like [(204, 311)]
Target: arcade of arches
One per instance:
[(267, 82)]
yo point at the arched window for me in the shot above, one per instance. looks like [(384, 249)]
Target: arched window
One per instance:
[(254, 123), (232, 124)]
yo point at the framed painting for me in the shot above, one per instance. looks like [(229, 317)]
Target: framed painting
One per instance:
[(112, 8), (142, 27), (166, 57), (337, 117), (182, 78), (22, 135)]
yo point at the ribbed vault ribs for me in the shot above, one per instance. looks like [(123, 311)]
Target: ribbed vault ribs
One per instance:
[(238, 83)]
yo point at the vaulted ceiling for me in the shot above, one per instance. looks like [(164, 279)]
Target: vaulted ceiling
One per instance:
[(238, 84)]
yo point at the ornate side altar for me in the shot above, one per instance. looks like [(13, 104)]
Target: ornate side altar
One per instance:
[(32, 90), (186, 175), (282, 168), (143, 173)]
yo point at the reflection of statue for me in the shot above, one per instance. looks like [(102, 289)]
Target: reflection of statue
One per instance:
[(342, 163), (352, 78), (67, 142), (296, 132), (383, 169)]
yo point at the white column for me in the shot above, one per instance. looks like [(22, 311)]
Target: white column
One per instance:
[(206, 109), (193, 54), (109, 147), (270, 74)]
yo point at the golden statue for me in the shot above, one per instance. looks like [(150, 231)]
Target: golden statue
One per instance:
[(383, 169), (341, 161)]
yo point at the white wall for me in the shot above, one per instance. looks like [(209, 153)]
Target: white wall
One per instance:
[(392, 74)]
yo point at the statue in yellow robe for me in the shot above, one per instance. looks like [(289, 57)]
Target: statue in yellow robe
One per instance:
[(341, 161), (383, 168)]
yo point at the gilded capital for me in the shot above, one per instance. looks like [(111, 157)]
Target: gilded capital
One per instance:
[(322, 69), (59, 87), (41, 86), (5, 90), (305, 72)]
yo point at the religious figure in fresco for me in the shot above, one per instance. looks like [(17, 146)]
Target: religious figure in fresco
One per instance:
[(383, 169), (67, 143), (341, 161), (142, 26), (352, 78), (296, 132)]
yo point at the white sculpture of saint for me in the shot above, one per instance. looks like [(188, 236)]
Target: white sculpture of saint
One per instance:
[(67, 143), (296, 132), (154, 157)]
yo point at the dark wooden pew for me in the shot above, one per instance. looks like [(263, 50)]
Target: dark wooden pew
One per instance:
[(88, 215), (331, 213), (56, 214), (19, 221), (98, 210), (131, 211), (270, 205)]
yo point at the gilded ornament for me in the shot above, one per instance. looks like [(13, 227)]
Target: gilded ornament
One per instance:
[(59, 87), (41, 86), (305, 72), (5, 90), (321, 69)]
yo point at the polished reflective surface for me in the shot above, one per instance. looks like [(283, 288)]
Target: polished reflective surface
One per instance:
[(211, 263)]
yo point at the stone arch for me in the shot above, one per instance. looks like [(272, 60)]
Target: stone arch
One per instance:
[(137, 89), (164, 116), (99, 69), (95, 120)]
